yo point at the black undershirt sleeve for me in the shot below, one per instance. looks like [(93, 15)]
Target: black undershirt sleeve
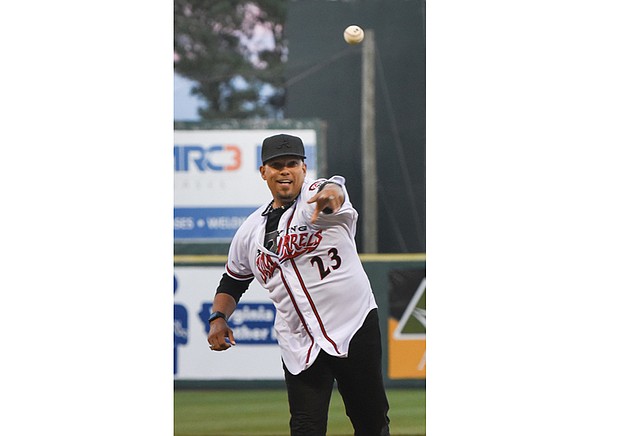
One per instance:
[(233, 287)]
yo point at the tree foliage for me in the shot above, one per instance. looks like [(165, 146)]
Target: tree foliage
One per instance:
[(235, 52)]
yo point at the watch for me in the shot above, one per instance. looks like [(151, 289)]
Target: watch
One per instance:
[(216, 315)]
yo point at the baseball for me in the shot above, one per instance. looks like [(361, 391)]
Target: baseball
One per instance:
[(353, 35)]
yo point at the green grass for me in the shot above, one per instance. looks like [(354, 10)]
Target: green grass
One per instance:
[(265, 413)]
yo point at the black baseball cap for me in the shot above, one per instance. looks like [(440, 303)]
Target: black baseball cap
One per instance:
[(282, 145)]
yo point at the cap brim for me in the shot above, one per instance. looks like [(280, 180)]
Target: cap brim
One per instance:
[(283, 154)]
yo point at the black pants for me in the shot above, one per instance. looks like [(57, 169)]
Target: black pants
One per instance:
[(360, 382)]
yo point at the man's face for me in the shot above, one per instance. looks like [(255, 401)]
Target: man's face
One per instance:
[(284, 175)]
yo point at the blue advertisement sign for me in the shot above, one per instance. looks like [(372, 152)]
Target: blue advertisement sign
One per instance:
[(180, 326), (209, 223), (252, 323)]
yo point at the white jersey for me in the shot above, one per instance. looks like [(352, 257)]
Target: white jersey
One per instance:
[(315, 280)]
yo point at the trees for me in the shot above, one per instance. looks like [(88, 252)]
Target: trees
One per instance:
[(235, 52)]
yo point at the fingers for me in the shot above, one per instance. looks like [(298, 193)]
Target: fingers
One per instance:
[(327, 209), (314, 198), (326, 202), (221, 345), (231, 338), (220, 339)]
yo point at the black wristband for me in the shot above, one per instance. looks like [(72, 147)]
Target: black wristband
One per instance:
[(327, 182), (216, 315)]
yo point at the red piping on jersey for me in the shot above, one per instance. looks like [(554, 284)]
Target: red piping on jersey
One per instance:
[(316, 313), (238, 276), (301, 281), (288, 290)]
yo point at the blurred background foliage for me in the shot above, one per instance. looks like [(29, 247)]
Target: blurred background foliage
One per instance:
[(235, 52)]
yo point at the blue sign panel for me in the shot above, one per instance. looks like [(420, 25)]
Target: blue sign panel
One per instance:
[(251, 323), (180, 326), (209, 223)]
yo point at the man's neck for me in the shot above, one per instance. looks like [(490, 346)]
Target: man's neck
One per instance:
[(281, 204)]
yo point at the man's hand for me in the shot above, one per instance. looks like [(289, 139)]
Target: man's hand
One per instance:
[(328, 200), (218, 332)]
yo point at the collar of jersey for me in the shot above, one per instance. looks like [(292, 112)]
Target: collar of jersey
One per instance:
[(270, 207)]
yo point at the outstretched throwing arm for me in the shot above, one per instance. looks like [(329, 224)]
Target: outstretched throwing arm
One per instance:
[(328, 200)]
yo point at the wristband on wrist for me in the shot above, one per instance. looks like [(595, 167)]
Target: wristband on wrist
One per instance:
[(327, 182), (215, 315)]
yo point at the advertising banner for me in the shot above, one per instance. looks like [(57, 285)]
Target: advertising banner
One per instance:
[(256, 355), (400, 292), (217, 182), (407, 324)]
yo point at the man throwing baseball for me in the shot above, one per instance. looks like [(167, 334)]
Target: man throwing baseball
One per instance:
[(301, 248)]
